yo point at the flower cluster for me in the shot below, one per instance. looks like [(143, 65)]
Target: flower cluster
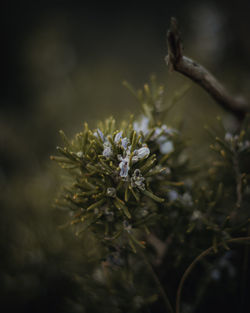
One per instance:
[(115, 175)]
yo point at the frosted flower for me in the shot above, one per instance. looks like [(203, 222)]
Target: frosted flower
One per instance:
[(99, 134), (107, 152), (142, 126), (124, 166), (137, 180), (125, 142), (118, 180), (166, 147), (140, 154), (118, 137), (161, 136)]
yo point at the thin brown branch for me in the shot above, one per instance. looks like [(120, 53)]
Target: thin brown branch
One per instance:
[(196, 260), (186, 66)]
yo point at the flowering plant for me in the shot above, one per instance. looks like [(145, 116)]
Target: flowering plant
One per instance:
[(131, 188), (121, 180)]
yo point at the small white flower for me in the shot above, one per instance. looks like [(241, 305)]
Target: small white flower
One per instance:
[(142, 126), (166, 147), (107, 151), (118, 137), (124, 166), (125, 142), (79, 154), (99, 134), (137, 180), (140, 154), (161, 136)]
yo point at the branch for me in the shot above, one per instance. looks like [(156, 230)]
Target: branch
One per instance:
[(196, 260), (186, 66)]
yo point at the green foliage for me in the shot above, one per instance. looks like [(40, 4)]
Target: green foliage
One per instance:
[(130, 188), (119, 178)]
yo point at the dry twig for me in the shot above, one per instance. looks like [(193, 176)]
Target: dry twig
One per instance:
[(175, 60)]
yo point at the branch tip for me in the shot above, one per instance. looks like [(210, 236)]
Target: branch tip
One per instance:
[(176, 61)]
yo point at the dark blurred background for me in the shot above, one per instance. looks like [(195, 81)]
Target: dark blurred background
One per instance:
[(63, 63)]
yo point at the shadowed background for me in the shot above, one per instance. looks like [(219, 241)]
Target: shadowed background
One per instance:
[(63, 63)]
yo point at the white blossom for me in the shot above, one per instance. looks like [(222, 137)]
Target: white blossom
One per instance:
[(124, 166), (137, 180), (107, 151), (142, 125), (125, 142), (118, 137), (140, 154), (98, 134), (166, 147)]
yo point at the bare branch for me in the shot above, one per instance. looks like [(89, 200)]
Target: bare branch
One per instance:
[(186, 66), (196, 260)]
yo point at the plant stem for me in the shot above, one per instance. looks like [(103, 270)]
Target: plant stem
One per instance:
[(196, 260), (168, 305), (186, 66)]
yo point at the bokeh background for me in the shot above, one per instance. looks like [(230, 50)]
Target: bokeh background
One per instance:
[(63, 63)]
